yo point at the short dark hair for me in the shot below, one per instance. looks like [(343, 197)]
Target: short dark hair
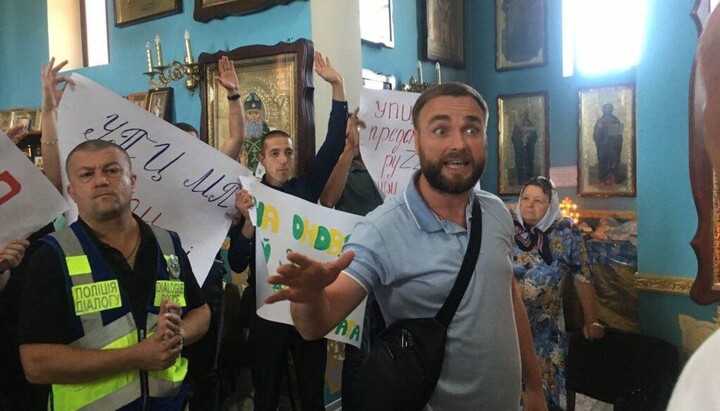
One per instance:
[(187, 128), (543, 182), (453, 89), (94, 146), (272, 134)]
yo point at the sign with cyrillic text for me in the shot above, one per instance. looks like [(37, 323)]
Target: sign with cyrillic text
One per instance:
[(183, 184), (28, 201), (285, 224), (387, 144)]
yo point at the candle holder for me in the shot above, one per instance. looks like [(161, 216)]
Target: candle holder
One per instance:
[(173, 72), (418, 85), (570, 210), (414, 86)]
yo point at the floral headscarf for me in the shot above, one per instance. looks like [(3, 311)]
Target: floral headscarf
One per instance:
[(529, 237)]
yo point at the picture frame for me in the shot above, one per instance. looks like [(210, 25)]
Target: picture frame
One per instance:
[(523, 140), (520, 34), (23, 116), (445, 32), (138, 11), (160, 103), (5, 118), (37, 121), (206, 10), (606, 126), (378, 81), (280, 79), (376, 22), (139, 99)]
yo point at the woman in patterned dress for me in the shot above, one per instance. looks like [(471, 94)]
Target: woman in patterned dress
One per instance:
[(547, 249)]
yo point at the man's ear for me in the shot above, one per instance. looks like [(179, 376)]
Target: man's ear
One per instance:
[(261, 159), (71, 192)]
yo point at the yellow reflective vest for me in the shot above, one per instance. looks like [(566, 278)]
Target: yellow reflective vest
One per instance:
[(103, 320)]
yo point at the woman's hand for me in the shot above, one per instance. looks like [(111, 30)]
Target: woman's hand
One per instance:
[(593, 331)]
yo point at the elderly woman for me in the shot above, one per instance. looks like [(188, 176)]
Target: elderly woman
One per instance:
[(547, 249)]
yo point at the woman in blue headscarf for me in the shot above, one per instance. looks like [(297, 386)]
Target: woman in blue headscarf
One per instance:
[(547, 249)]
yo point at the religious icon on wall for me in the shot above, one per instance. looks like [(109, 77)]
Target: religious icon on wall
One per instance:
[(606, 142), (523, 143)]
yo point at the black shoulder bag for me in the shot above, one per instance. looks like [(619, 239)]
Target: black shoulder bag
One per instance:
[(404, 363)]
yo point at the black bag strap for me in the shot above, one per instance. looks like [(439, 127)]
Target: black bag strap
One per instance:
[(447, 312)]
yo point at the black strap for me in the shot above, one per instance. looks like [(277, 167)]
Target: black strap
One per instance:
[(447, 312)]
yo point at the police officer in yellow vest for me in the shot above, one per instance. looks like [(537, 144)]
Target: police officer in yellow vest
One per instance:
[(110, 301)]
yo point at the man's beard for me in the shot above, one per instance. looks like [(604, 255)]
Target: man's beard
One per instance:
[(254, 129), (433, 172)]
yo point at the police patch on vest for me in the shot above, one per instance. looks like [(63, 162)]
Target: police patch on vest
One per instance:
[(173, 265), (94, 297), (174, 291)]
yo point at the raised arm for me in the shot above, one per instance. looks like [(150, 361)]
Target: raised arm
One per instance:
[(51, 96), (321, 295), (328, 73), (327, 156), (336, 183), (228, 79)]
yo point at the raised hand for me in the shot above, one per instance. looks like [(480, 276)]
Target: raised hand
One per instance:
[(304, 278), (50, 82), (352, 133), (17, 133), (325, 70), (12, 254), (228, 77)]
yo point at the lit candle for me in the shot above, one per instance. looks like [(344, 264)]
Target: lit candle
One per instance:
[(158, 49), (438, 77), (188, 50), (419, 68), (149, 57)]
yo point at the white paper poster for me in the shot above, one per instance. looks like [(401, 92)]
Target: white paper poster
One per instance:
[(387, 144), (28, 200), (183, 184), (285, 223)]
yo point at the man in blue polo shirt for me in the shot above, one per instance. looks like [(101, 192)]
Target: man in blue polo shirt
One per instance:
[(409, 250)]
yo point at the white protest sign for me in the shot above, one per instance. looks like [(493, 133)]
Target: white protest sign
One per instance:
[(28, 201), (387, 143), (183, 184), (286, 223)]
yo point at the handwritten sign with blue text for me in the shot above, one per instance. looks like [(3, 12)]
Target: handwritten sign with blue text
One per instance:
[(183, 184)]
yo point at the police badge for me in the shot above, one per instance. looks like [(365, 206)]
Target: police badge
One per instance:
[(173, 265)]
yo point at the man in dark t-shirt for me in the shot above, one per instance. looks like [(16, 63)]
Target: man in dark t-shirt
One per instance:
[(109, 281)]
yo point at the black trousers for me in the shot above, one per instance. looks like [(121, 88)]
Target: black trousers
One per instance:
[(270, 343)]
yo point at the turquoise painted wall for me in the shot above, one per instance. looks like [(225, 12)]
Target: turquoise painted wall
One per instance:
[(666, 213), (127, 48)]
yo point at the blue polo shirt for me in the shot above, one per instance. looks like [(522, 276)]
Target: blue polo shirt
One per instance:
[(410, 258)]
